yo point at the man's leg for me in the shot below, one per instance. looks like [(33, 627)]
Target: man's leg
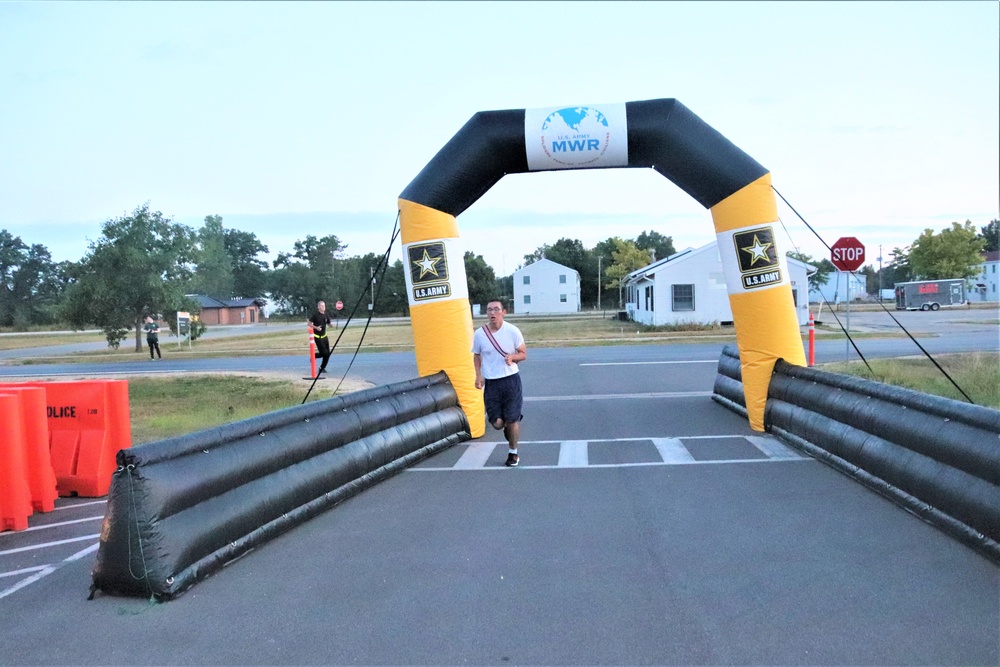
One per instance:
[(323, 346), (512, 431)]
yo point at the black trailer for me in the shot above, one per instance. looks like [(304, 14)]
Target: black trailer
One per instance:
[(930, 294)]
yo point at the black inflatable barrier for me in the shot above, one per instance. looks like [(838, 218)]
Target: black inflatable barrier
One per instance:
[(938, 458), (180, 509), (728, 388)]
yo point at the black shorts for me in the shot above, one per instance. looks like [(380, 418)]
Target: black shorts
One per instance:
[(503, 399)]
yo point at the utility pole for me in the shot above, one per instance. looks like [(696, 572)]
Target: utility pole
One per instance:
[(371, 283), (880, 273), (599, 258)]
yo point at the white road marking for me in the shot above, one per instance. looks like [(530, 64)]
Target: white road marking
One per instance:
[(27, 570), (475, 456), (774, 449), (573, 454), (672, 450), (650, 363), (35, 547), (51, 525), (49, 569), (605, 397), (74, 506)]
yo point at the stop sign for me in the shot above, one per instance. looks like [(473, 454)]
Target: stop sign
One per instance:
[(340, 305), (847, 254)]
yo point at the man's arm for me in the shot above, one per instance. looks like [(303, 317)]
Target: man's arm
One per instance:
[(477, 361), (520, 354)]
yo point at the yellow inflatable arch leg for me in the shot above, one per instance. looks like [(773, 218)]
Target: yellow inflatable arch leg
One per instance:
[(760, 292), (440, 313)]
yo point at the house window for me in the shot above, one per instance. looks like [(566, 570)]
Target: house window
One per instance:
[(795, 297), (527, 280), (652, 302), (562, 278), (562, 298), (683, 297), (527, 298)]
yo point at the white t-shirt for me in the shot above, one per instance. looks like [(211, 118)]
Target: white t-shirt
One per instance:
[(493, 366)]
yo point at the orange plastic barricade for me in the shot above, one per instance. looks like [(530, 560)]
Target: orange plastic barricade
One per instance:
[(37, 461), (15, 500), (88, 422)]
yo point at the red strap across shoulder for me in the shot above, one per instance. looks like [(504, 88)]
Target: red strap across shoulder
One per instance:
[(496, 346)]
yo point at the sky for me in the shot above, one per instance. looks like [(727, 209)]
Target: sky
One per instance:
[(876, 120)]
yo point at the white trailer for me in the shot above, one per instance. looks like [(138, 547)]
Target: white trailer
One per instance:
[(930, 294)]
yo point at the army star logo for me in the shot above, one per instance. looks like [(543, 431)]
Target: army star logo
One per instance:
[(427, 265), (428, 262), (757, 251)]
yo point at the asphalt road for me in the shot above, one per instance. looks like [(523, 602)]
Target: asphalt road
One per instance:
[(646, 525)]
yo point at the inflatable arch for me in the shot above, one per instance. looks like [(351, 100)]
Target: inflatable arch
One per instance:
[(659, 134)]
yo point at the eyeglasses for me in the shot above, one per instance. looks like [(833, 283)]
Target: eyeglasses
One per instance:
[(493, 310)]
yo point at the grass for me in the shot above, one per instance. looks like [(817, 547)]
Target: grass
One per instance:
[(395, 336), (168, 407), (20, 341), (977, 373)]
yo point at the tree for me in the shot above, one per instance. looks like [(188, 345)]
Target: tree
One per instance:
[(249, 272), (955, 252), (310, 274), (139, 267), (214, 273), (481, 279), (392, 299), (662, 246), (626, 258), (505, 290), (991, 236), (30, 284), (823, 269), (898, 270), (602, 254)]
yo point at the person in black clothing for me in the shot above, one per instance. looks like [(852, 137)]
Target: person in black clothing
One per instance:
[(318, 323), (152, 330)]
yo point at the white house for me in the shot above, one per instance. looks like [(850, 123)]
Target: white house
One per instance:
[(545, 287), (984, 287), (834, 290), (690, 287)]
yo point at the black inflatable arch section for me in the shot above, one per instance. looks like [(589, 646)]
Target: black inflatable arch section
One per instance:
[(662, 134), (182, 508)]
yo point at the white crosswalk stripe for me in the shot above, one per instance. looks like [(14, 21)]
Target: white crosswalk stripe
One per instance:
[(576, 453), (573, 454)]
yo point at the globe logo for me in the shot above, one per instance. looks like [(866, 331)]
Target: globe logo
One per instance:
[(575, 136)]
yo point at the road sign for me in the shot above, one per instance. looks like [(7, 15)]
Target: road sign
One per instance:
[(340, 305), (847, 254)]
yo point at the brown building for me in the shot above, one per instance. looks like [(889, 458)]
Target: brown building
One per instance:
[(231, 311)]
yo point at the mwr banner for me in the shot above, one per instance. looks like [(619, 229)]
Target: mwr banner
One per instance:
[(435, 271), (585, 137)]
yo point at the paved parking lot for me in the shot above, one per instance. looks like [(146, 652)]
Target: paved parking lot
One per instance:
[(646, 525)]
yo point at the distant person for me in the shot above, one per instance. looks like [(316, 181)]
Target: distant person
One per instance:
[(317, 324), (496, 349), (152, 330)]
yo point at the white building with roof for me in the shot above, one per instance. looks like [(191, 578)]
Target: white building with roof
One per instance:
[(546, 288), (690, 287), (834, 290), (985, 286)]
